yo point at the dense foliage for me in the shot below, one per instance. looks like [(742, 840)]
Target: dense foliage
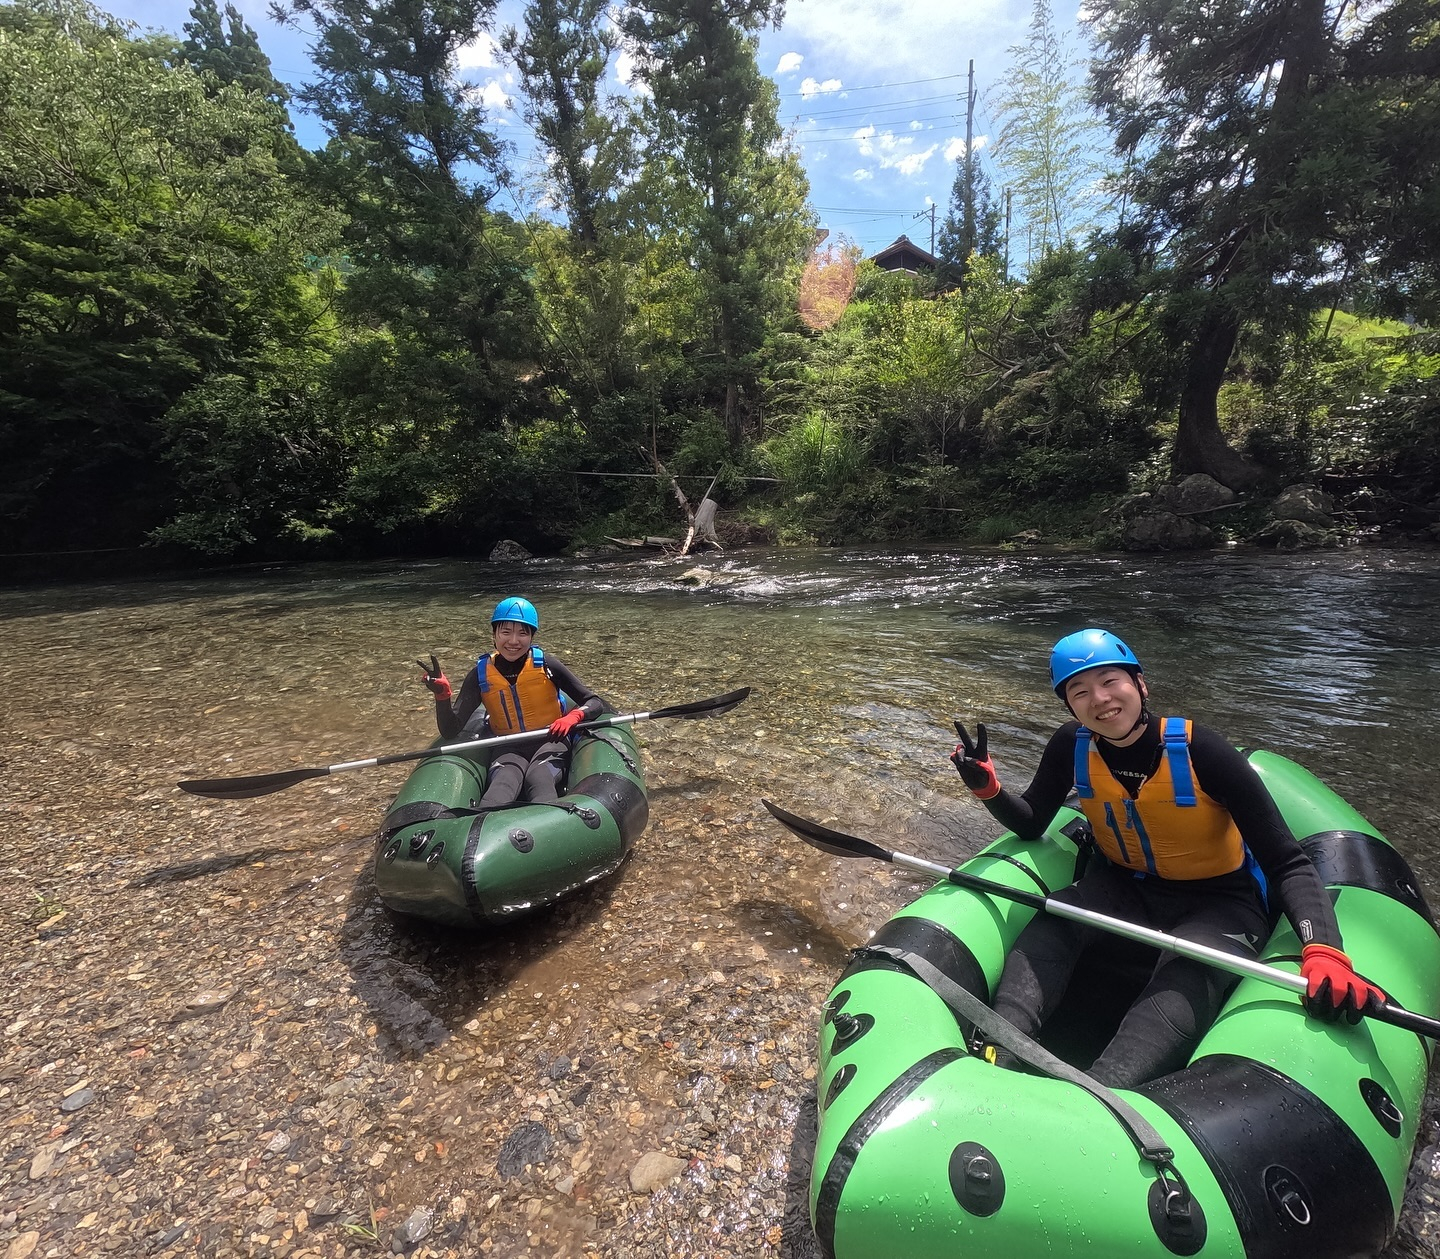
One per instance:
[(213, 340)]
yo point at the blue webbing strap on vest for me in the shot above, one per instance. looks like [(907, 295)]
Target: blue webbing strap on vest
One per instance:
[(1083, 789), (537, 658), (1177, 752)]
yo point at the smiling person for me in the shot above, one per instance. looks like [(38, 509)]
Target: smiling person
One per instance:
[(1188, 842), (521, 688)]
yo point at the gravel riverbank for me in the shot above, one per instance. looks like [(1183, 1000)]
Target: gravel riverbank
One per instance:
[(215, 1042)]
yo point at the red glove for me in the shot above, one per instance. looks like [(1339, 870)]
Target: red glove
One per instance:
[(1335, 989), (435, 680), (562, 726), (973, 762)]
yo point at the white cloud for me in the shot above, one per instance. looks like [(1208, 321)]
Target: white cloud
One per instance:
[(626, 65), (862, 174), (482, 51), (789, 61), (892, 35), (955, 147), (911, 163), (493, 96), (916, 124), (813, 87), (894, 152)]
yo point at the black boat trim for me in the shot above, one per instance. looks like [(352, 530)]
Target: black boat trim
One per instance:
[(1227, 1106), (827, 1201), (1030, 874), (415, 811), (945, 951), (622, 798), (1356, 859)]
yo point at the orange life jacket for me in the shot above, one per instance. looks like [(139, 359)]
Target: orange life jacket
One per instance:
[(1171, 829), (531, 702)]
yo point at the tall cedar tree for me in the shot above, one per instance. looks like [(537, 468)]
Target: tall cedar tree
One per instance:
[(1285, 155), (412, 163), (714, 115), (561, 57), (232, 55), (973, 225)]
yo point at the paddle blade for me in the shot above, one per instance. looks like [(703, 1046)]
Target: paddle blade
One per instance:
[(711, 707), (823, 838), (246, 788)]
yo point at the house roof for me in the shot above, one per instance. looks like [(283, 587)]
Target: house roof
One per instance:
[(904, 253)]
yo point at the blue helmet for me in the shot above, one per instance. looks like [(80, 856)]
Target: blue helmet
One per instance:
[(1088, 649), (519, 610)]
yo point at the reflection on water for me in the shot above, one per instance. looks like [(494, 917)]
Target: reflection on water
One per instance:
[(686, 987), (858, 658)]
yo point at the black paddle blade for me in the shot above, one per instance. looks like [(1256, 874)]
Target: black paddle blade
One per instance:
[(711, 707), (248, 788), (823, 838)]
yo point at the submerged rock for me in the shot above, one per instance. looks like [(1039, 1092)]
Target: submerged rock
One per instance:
[(508, 552), (655, 1170)]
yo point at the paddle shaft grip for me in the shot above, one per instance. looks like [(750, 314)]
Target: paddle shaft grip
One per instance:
[(1245, 967)]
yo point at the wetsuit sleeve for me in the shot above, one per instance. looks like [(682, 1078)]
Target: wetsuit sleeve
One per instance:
[(1029, 813), (1223, 774), (580, 694), (451, 719)]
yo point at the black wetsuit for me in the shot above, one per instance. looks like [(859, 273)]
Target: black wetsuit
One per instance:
[(1162, 1028), (531, 770)]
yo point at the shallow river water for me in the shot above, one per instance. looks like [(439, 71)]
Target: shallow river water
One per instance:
[(267, 1062)]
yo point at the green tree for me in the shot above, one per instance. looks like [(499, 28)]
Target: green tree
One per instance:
[(737, 187), (150, 241), (561, 58), (437, 292), (230, 50), (1048, 136), (973, 224), (1281, 158)]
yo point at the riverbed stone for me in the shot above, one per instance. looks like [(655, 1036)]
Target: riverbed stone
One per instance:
[(1296, 535), (654, 1170), (529, 1143), (508, 551)]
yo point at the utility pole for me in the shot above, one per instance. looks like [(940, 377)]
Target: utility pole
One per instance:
[(930, 214), (969, 237), (1006, 272)]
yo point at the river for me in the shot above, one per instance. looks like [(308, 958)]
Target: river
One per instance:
[(263, 1043)]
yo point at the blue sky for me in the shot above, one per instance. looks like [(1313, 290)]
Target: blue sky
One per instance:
[(874, 92)]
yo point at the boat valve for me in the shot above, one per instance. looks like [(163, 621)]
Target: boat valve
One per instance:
[(849, 1028)]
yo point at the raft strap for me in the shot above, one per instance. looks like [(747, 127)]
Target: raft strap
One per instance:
[(1177, 1201)]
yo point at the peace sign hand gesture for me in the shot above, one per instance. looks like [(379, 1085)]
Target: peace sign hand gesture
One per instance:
[(972, 760)]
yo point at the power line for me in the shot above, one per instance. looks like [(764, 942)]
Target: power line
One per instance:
[(861, 109), (875, 87)]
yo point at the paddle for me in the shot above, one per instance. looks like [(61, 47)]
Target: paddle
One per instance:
[(251, 785), (841, 845)]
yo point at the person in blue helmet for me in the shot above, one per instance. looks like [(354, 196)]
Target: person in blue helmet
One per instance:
[(1187, 841), (521, 688)]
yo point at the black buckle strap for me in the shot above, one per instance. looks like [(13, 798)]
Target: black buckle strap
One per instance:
[(1150, 1144)]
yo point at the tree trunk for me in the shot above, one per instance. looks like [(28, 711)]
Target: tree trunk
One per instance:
[(1200, 446)]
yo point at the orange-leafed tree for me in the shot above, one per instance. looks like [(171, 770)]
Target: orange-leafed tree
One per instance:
[(828, 282)]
